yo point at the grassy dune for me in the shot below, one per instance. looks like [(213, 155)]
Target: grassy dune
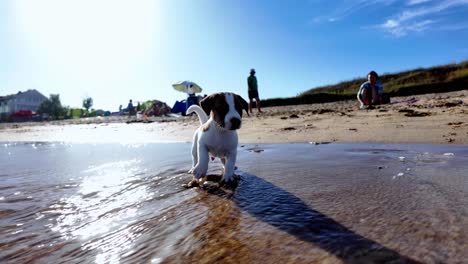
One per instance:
[(438, 79)]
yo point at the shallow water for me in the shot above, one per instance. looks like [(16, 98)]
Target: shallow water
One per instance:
[(297, 203)]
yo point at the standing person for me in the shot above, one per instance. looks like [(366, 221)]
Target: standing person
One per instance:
[(130, 108), (253, 91), (370, 93), (138, 108)]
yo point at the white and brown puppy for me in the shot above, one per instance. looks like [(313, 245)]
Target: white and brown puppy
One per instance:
[(217, 135)]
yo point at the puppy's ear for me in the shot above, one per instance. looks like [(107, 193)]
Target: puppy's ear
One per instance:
[(242, 103), (207, 103)]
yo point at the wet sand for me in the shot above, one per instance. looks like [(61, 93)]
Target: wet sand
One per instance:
[(295, 203), (428, 119)]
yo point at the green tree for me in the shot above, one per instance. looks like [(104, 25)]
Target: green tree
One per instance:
[(75, 113), (53, 107), (87, 103)]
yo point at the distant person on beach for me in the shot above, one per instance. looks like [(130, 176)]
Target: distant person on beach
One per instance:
[(371, 92), (253, 91), (120, 110), (153, 110), (130, 108)]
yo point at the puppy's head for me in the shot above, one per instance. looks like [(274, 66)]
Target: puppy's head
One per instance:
[(226, 109)]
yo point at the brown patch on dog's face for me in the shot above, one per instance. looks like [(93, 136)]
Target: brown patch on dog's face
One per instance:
[(241, 104), (216, 105)]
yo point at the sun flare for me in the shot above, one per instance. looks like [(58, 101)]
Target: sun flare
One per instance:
[(93, 40)]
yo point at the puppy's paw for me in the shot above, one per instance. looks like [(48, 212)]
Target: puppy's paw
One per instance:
[(227, 178), (198, 171), (233, 182), (230, 180), (193, 183)]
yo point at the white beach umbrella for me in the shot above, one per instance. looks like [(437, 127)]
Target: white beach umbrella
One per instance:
[(187, 87)]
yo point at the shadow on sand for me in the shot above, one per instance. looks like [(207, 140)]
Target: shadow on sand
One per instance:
[(288, 213)]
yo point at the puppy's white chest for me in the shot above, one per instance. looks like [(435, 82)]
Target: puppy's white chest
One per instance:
[(219, 143), (222, 146)]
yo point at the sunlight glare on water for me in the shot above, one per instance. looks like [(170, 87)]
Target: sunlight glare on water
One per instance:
[(94, 201)]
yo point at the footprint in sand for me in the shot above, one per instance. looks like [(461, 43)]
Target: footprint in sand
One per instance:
[(417, 114), (455, 125)]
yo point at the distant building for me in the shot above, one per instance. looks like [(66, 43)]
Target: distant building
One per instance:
[(29, 100)]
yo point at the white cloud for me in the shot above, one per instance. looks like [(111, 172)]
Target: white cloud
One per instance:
[(417, 2), (420, 26), (418, 19), (428, 10), (412, 15), (402, 29), (391, 24), (349, 8)]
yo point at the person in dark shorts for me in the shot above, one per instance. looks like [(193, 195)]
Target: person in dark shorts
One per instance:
[(253, 91), (130, 108)]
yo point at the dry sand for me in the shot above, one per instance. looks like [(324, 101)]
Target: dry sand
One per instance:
[(433, 118)]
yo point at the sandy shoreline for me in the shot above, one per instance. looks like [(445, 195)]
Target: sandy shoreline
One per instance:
[(431, 119)]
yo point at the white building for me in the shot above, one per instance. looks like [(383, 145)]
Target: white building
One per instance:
[(29, 100)]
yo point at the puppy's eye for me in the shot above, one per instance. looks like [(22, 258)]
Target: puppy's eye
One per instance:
[(220, 106)]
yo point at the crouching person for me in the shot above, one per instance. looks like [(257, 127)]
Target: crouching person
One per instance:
[(371, 92)]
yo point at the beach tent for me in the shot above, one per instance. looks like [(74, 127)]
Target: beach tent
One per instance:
[(191, 89)]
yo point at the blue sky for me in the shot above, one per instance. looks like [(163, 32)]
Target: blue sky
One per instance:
[(114, 51)]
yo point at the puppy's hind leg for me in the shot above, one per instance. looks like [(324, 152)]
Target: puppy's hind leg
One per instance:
[(195, 181)]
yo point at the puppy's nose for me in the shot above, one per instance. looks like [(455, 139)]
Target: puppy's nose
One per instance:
[(235, 123)]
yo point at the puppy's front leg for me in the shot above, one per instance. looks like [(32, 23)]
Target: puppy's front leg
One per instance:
[(202, 166), (229, 167)]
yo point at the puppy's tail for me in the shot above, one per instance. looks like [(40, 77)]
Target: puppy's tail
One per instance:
[(200, 113)]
